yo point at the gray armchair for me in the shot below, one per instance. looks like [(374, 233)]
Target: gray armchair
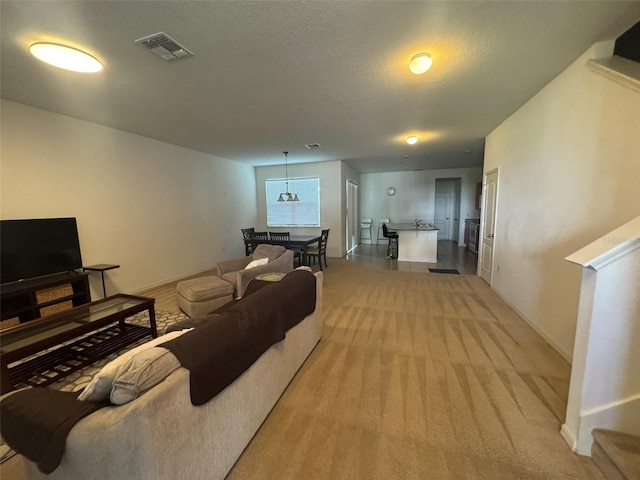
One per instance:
[(233, 271)]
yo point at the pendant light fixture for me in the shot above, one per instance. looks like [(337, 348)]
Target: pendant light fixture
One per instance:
[(290, 197)]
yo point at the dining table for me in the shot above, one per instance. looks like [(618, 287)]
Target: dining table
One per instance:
[(297, 241)]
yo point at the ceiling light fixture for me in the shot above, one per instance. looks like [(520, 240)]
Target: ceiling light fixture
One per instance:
[(68, 58), (291, 197), (412, 140), (420, 63)]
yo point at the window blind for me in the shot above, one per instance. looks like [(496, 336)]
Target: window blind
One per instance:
[(305, 213)]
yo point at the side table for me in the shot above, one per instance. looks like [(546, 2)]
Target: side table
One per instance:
[(101, 267)]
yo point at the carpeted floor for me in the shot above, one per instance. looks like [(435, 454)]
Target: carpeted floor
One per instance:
[(418, 376)]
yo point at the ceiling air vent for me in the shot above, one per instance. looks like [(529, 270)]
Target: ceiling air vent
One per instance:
[(164, 46), (311, 146)]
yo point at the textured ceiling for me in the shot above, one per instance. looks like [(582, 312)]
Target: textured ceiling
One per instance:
[(273, 76)]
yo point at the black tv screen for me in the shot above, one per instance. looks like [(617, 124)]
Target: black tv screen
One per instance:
[(34, 248)]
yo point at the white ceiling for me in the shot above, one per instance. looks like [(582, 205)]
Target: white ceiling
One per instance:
[(270, 76)]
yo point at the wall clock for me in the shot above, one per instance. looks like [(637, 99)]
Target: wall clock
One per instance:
[(391, 191)]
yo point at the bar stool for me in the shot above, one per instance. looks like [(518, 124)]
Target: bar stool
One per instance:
[(365, 226), (380, 222), (392, 247)]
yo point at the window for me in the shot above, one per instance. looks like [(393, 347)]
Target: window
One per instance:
[(305, 213)]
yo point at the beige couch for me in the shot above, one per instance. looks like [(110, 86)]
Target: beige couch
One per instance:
[(233, 271), (161, 435)]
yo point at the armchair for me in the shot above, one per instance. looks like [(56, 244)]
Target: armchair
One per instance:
[(234, 271)]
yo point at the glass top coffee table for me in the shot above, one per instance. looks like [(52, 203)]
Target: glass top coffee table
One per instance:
[(101, 326)]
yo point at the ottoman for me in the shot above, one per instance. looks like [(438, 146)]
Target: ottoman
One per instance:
[(199, 296)]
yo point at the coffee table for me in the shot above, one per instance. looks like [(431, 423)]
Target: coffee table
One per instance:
[(100, 330)]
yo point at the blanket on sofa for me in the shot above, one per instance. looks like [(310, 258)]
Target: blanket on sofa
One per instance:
[(219, 351), (40, 433)]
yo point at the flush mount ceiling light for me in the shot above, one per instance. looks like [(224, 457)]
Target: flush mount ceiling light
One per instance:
[(65, 57), (420, 63), (412, 140)]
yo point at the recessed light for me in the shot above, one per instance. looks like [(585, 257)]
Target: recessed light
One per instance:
[(420, 63), (468, 151), (412, 140), (405, 156), (68, 58)]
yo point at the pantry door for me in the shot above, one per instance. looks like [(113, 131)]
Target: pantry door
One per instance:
[(490, 195)]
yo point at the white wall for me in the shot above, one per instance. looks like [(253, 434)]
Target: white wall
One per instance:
[(415, 195), (158, 210), (331, 193), (569, 164)]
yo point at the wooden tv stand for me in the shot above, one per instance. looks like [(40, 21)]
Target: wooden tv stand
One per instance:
[(25, 300)]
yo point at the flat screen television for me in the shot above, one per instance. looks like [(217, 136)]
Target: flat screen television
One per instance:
[(38, 247)]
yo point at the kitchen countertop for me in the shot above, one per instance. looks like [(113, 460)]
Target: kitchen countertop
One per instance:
[(412, 227)]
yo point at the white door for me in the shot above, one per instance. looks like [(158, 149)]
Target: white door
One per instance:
[(490, 192), (352, 216), (441, 215)]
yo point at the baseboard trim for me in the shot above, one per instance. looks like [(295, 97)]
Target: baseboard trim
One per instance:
[(569, 437), (169, 280), (549, 340)]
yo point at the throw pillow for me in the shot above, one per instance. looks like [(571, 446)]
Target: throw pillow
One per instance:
[(142, 372), (100, 387), (257, 263)]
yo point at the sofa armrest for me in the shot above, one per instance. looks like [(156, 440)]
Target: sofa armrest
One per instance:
[(282, 264), (226, 266)]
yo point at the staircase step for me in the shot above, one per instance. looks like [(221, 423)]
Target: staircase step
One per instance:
[(617, 454)]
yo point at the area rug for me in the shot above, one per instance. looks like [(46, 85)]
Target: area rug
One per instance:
[(444, 270), (80, 379)]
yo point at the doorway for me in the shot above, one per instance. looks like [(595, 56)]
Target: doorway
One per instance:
[(446, 214), (352, 223)]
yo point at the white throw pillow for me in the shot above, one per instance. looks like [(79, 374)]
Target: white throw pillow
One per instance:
[(100, 387), (257, 263), (142, 372)]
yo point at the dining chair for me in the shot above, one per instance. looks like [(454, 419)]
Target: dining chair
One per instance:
[(246, 236), (321, 251), (258, 238), (393, 241), (284, 239)]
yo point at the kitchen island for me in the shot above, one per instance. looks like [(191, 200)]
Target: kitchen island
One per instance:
[(416, 244)]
